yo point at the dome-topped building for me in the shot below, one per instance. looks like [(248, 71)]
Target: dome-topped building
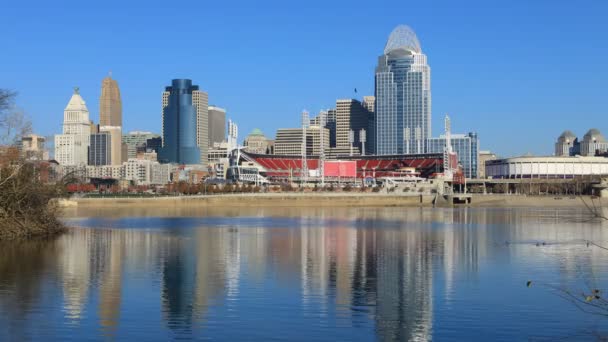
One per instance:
[(594, 135), (402, 40), (566, 143), (402, 96), (593, 143), (256, 142)]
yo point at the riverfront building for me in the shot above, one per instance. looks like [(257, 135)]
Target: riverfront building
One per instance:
[(466, 147), (184, 119), (71, 147), (547, 167), (402, 96)]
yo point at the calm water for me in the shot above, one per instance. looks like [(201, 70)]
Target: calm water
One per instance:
[(302, 274)]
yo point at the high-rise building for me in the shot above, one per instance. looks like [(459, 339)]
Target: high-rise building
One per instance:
[(330, 124), (141, 139), (216, 125), (100, 149), (402, 96), (110, 104), (71, 147), (566, 144), (593, 143), (289, 141), (351, 116), (369, 103), (466, 147), (116, 141), (32, 147), (184, 124)]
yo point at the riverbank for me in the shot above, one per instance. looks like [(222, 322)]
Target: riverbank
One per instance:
[(324, 200)]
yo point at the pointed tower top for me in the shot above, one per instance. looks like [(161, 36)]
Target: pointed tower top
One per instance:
[(76, 90)]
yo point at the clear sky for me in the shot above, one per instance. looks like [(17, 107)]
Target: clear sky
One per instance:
[(518, 72)]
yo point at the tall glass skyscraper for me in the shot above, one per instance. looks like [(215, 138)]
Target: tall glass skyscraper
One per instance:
[(180, 143), (403, 96)]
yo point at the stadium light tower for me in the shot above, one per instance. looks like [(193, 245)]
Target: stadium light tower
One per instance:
[(363, 140)]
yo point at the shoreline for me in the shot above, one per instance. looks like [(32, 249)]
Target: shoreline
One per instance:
[(324, 200)]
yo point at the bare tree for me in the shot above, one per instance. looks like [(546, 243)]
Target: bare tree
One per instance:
[(14, 122)]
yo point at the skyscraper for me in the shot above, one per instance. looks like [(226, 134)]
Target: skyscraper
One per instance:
[(182, 118), (351, 116), (403, 96), (217, 125), (100, 150), (110, 105), (116, 143), (110, 116), (71, 147)]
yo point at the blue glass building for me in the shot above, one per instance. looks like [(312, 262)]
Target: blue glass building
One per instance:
[(403, 96), (466, 147), (179, 124)]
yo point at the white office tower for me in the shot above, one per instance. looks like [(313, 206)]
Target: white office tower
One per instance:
[(71, 147)]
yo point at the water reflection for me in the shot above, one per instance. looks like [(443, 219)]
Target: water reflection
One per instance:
[(389, 274)]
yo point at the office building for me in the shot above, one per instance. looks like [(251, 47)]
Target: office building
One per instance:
[(593, 144), (402, 115), (116, 141), (466, 147), (72, 147), (100, 149), (154, 144), (289, 141), (256, 142), (369, 102), (110, 104), (330, 124), (142, 140), (351, 116), (32, 147), (217, 125), (566, 143), (185, 120)]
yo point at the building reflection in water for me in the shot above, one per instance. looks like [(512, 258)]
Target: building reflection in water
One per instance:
[(347, 267)]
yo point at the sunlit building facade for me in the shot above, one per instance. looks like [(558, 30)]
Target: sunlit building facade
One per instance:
[(402, 96), (466, 147)]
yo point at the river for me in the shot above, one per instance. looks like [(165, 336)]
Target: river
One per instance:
[(305, 274)]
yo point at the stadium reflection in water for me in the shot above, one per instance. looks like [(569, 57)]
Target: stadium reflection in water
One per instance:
[(304, 274)]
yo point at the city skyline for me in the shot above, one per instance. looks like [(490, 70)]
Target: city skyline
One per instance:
[(469, 64)]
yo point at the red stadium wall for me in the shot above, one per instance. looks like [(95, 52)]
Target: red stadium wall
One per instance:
[(340, 169)]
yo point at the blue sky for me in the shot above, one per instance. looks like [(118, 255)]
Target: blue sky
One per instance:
[(517, 72)]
